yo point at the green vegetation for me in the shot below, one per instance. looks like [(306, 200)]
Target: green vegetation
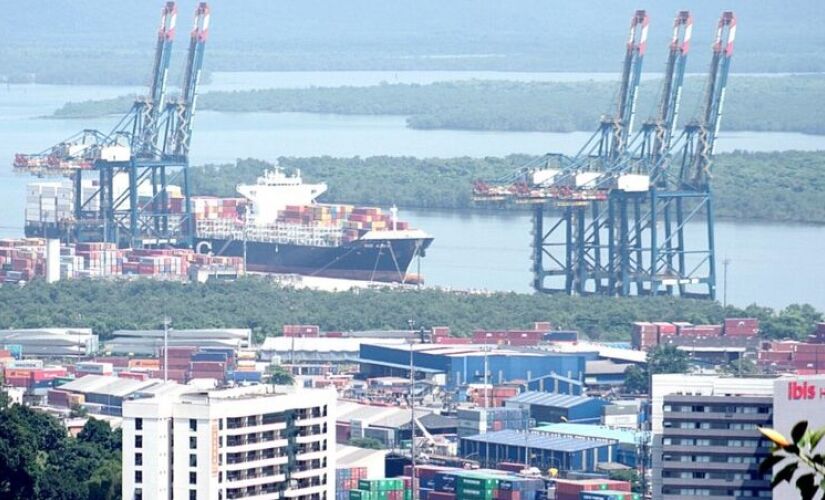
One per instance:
[(784, 186), (370, 443), (278, 375), (39, 460), (802, 465), (660, 359), (263, 307), (786, 103)]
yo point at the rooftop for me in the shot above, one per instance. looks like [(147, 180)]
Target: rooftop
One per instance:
[(538, 440), (464, 350), (352, 456), (323, 344), (550, 399), (623, 436)]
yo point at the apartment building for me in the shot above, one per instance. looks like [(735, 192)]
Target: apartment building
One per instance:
[(256, 442), (705, 438)]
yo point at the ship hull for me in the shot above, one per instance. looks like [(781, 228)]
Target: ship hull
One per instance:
[(363, 260)]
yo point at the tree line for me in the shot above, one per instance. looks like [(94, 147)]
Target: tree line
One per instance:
[(780, 186), (264, 307), (785, 103)]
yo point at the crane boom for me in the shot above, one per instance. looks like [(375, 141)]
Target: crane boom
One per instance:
[(184, 112), (631, 76), (146, 133), (714, 97), (668, 112)]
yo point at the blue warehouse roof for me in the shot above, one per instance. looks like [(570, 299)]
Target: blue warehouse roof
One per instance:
[(624, 436), (538, 441), (550, 399)]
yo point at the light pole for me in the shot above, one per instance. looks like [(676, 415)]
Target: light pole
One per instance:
[(411, 323), (165, 348)]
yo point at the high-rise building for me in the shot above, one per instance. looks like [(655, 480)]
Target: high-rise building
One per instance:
[(705, 438), (255, 442)]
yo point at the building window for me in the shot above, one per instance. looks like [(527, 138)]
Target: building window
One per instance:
[(138, 476), (193, 442), (138, 424), (193, 478), (193, 460), (138, 458), (138, 494), (193, 495), (193, 424), (138, 441)]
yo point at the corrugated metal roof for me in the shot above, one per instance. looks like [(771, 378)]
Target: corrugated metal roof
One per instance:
[(538, 441), (352, 456), (88, 383), (550, 399), (605, 367), (624, 436), (322, 344)]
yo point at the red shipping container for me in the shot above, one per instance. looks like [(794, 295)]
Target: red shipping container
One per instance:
[(439, 495)]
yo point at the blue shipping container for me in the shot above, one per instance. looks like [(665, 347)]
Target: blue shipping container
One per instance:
[(246, 376), (209, 356)]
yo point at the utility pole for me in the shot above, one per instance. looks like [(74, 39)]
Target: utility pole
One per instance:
[(165, 348), (725, 264), (411, 323)]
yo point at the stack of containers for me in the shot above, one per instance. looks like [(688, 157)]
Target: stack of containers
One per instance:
[(64, 399), (301, 330), (495, 395), (99, 259), (479, 487), (609, 495), (480, 420), (178, 363), (49, 201), (33, 378), (741, 327), (645, 335), (6, 357), (665, 330), (21, 260), (93, 368), (346, 480), (568, 489), (381, 489), (212, 208), (208, 365)]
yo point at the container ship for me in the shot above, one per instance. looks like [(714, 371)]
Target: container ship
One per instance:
[(278, 227)]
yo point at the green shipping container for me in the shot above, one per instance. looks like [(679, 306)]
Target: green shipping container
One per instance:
[(408, 495), (360, 495), (381, 484), (473, 494), (478, 483)]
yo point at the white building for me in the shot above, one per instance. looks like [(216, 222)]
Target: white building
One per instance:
[(255, 442)]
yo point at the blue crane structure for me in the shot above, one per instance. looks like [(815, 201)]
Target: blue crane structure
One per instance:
[(122, 178), (622, 204)]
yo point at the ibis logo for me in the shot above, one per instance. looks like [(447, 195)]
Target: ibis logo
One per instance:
[(804, 391)]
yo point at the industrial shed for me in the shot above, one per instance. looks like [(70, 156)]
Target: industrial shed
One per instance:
[(561, 452), (550, 407)]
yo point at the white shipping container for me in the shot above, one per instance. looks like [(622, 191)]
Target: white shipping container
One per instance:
[(633, 183), (544, 175)]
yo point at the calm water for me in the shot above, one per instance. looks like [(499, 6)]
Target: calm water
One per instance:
[(770, 264)]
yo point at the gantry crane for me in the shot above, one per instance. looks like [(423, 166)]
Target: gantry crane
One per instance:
[(622, 204), (126, 174)]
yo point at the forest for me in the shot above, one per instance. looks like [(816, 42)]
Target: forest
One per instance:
[(786, 103), (38, 459), (784, 186), (264, 307)]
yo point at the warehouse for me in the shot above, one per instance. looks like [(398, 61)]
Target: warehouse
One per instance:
[(384, 423), (549, 407), (625, 442), (51, 341), (149, 342), (563, 453), (312, 350), (104, 394), (458, 365)]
